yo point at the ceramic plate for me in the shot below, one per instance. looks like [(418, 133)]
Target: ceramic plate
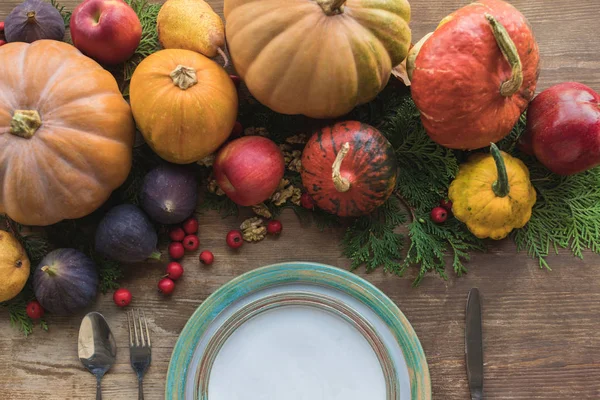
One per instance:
[(298, 331)]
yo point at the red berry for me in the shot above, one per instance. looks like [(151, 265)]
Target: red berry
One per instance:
[(2, 42), (176, 234), (174, 270), (207, 257), (439, 215), (176, 250), (191, 243), (122, 297), (236, 80), (274, 227), (447, 204), (235, 239), (307, 201), (1, 26), (34, 310), (237, 130), (190, 225), (166, 286)]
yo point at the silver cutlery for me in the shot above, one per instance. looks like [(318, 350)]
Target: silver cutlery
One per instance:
[(97, 348), (474, 345), (140, 349)]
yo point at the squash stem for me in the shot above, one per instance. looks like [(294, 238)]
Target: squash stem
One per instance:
[(25, 123), (340, 183), (155, 255), (501, 187), (51, 271), (184, 77), (331, 7), (511, 54)]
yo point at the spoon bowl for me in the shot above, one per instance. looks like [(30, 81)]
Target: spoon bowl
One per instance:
[(97, 347)]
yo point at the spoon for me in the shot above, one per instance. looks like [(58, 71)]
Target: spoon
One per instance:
[(97, 347)]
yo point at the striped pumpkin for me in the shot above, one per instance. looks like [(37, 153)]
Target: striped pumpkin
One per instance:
[(349, 169)]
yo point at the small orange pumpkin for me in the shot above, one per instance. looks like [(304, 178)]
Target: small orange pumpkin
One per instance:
[(66, 133), (184, 104)]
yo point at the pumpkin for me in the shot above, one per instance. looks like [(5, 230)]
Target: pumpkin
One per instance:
[(14, 266), (475, 75), (492, 194), (349, 169), (319, 58), (65, 281), (184, 104), (66, 133)]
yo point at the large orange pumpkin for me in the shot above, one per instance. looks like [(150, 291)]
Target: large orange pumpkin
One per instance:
[(184, 104), (319, 58), (66, 133), (475, 75)]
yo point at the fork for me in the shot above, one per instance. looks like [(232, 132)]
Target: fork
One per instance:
[(140, 349)]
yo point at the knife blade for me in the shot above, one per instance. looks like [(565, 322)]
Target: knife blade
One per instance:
[(474, 345)]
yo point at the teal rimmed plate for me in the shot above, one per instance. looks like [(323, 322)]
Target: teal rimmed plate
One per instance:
[(298, 331)]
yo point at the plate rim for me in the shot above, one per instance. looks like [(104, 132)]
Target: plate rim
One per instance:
[(291, 272)]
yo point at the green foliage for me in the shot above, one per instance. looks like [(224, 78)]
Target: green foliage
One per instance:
[(221, 204), (372, 241), (109, 273), (147, 13), (66, 14), (566, 215)]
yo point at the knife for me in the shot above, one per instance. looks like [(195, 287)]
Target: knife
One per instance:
[(474, 345)]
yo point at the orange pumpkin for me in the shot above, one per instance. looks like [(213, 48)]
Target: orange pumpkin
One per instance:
[(66, 133), (320, 58), (184, 104)]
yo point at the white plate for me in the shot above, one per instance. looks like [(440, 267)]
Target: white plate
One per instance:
[(298, 332)]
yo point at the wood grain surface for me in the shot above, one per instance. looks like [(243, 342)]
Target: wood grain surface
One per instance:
[(541, 329)]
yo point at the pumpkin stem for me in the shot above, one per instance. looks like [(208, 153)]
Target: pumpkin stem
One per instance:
[(49, 270), (25, 123), (341, 184), (184, 77), (511, 54), (332, 7), (155, 255), (501, 187)]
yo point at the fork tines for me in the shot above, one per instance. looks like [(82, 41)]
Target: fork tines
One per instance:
[(139, 335)]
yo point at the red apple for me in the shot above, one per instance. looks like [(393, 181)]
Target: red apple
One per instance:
[(249, 169), (563, 128), (108, 31)]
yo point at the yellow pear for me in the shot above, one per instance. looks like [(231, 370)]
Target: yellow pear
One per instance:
[(191, 25), (14, 266)]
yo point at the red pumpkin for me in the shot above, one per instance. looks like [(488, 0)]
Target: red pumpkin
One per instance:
[(349, 169), (475, 75)]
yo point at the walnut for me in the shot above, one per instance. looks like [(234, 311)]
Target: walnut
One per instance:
[(286, 192), (285, 147), (297, 139), (214, 188), (295, 162), (252, 131), (253, 229), (262, 210), (207, 161), (296, 197)]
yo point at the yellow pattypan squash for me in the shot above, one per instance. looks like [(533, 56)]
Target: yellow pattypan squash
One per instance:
[(492, 194)]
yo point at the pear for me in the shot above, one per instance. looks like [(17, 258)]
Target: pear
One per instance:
[(14, 266), (191, 25)]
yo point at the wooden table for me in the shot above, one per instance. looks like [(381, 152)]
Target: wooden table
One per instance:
[(541, 328)]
